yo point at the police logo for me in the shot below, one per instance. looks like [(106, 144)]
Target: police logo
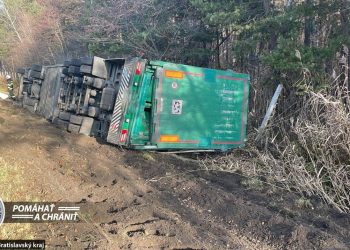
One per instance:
[(2, 211)]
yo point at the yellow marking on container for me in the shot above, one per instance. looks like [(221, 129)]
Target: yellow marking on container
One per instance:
[(174, 74), (169, 138)]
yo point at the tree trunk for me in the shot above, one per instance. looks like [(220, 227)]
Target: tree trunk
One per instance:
[(267, 7), (218, 49), (344, 15), (308, 25), (11, 21)]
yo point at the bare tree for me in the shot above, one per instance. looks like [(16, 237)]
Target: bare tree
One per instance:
[(9, 15)]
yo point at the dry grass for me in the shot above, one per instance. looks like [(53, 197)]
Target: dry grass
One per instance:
[(315, 156), (13, 188), (309, 154), (148, 156), (3, 85)]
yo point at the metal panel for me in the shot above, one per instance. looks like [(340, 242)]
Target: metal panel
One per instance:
[(99, 67), (200, 108), (119, 107), (49, 90)]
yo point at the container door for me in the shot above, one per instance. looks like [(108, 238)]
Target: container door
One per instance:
[(197, 108)]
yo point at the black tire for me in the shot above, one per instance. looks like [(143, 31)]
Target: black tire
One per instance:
[(35, 74), (65, 71), (74, 119), (26, 74), (87, 60), (74, 70), (73, 128), (75, 62), (66, 64), (64, 116), (86, 69), (60, 123), (26, 89), (37, 67), (21, 71)]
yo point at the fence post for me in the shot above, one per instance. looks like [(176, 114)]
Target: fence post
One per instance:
[(269, 110)]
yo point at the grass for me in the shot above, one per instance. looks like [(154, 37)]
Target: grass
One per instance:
[(3, 85), (253, 183), (3, 88), (148, 156), (14, 189)]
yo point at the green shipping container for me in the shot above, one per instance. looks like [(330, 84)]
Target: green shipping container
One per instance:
[(167, 106)]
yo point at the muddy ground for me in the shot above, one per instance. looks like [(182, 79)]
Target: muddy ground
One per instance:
[(144, 200)]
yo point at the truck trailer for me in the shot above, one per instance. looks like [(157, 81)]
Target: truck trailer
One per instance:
[(146, 105)]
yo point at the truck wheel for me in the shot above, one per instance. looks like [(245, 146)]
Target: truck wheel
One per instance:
[(37, 67), (66, 63), (60, 123), (73, 128), (86, 69), (65, 71), (35, 74), (87, 60), (75, 119), (64, 116), (74, 70), (75, 62), (21, 71)]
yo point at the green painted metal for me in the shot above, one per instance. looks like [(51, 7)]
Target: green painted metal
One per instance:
[(180, 107), (211, 108)]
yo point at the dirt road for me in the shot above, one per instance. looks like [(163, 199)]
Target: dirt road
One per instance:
[(145, 200)]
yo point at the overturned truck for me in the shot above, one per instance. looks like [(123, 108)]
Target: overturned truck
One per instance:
[(141, 104)]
